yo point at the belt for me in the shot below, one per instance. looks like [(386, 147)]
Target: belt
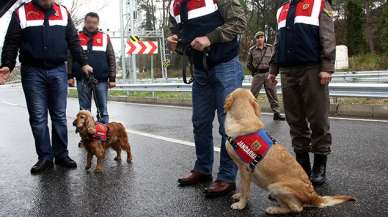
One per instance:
[(261, 71)]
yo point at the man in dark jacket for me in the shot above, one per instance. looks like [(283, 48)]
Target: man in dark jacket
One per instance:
[(208, 31), (43, 31), (98, 47)]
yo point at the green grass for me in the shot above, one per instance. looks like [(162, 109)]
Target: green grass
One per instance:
[(367, 62)]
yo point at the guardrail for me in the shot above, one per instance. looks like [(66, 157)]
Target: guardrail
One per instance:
[(369, 90), (340, 77)]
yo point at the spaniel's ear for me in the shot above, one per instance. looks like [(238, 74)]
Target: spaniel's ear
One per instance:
[(256, 107), (90, 125), (228, 102)]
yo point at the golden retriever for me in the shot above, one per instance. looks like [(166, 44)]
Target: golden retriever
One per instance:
[(278, 172), (116, 138)]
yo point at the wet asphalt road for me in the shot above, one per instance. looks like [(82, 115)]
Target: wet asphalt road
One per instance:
[(161, 139)]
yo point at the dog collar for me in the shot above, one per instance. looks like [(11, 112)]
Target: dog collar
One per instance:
[(252, 148), (101, 132)]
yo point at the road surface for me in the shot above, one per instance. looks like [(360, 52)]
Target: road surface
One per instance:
[(162, 143)]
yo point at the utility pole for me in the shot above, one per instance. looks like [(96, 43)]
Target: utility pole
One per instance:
[(123, 42), (132, 7)]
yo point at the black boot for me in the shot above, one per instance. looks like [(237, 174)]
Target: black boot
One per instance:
[(41, 166), (318, 175), (278, 117), (303, 159), (66, 162)]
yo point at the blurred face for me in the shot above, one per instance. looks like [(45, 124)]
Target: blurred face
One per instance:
[(260, 40), (91, 24), (45, 3)]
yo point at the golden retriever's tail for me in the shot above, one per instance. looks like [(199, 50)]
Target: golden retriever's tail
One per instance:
[(325, 201)]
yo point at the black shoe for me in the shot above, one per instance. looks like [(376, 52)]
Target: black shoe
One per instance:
[(41, 166), (318, 175), (278, 117), (66, 162), (303, 159)]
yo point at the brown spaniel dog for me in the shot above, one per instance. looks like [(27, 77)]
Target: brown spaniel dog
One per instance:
[(97, 138)]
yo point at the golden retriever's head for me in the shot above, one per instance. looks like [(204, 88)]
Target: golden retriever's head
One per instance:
[(85, 122), (244, 98)]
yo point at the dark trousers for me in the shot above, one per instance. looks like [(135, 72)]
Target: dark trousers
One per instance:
[(306, 104), (85, 95), (258, 81), (46, 92)]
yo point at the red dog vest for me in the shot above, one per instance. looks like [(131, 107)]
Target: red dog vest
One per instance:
[(252, 148), (101, 132)]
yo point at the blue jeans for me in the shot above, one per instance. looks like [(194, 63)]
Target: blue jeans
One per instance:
[(46, 91), (209, 93), (85, 94)]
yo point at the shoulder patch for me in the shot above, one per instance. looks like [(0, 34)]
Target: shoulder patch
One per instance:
[(253, 47), (269, 45)]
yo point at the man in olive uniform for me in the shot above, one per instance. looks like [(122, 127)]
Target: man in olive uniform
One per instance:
[(304, 54), (258, 64)]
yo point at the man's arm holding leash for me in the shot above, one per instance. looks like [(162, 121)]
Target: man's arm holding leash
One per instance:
[(75, 47)]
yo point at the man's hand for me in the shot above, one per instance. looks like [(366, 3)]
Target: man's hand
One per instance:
[(172, 42), (200, 43), (325, 78), (112, 84), (71, 82), (4, 75), (87, 69), (272, 79)]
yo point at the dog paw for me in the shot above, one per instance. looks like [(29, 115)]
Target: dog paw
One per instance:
[(272, 210), (238, 206), (87, 167), (99, 170), (117, 159), (236, 196)]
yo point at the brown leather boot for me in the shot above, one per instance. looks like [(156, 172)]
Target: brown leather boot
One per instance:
[(194, 178), (219, 188)]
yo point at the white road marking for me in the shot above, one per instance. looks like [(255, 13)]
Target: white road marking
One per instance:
[(167, 139), (263, 113), (9, 103), (188, 143)]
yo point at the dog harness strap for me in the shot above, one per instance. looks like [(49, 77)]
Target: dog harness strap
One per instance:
[(252, 148), (101, 132)]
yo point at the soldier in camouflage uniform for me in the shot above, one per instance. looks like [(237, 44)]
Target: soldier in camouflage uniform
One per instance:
[(258, 64)]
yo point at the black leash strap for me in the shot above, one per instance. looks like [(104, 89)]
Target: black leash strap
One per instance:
[(187, 61)]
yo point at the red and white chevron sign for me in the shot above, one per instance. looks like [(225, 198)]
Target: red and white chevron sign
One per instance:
[(142, 47)]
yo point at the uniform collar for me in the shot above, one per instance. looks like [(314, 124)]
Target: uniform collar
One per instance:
[(257, 47), (89, 34)]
